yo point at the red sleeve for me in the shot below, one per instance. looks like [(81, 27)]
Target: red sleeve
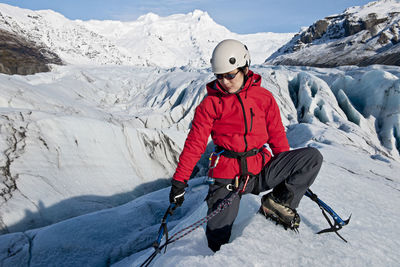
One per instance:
[(277, 137), (196, 141)]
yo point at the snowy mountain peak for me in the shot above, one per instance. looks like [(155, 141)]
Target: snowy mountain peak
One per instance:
[(149, 17), (194, 16), (24, 16), (151, 40), (86, 139), (362, 36), (382, 9), (199, 14)]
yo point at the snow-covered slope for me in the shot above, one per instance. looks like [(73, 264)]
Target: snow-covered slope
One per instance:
[(80, 139), (361, 36), (151, 40), (90, 138), (350, 181), (77, 140), (72, 42)]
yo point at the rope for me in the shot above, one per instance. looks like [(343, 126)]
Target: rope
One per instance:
[(185, 231)]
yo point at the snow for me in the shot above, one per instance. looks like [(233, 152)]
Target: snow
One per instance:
[(88, 151), (345, 183), (151, 40), (360, 35), (380, 8), (350, 182), (63, 146), (79, 150), (94, 134)]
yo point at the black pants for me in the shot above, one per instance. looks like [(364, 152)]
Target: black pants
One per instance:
[(289, 174)]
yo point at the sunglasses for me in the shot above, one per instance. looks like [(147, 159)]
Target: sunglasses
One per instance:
[(228, 76)]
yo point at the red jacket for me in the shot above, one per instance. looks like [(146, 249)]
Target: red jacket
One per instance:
[(238, 122)]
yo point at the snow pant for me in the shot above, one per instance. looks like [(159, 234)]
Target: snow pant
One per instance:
[(289, 174)]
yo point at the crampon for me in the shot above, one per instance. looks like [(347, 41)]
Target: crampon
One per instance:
[(270, 215)]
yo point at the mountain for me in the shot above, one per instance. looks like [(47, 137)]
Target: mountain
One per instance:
[(361, 36), (81, 139), (166, 42), (88, 149), (21, 56)]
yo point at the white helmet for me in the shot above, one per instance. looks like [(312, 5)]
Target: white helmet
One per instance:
[(229, 55)]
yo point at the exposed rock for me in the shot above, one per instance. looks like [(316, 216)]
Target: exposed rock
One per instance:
[(383, 39), (352, 27), (390, 57), (359, 36), (21, 56), (316, 31), (372, 20)]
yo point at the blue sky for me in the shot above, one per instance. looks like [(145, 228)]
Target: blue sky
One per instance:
[(238, 16)]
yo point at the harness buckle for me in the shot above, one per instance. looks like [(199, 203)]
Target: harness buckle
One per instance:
[(230, 187)]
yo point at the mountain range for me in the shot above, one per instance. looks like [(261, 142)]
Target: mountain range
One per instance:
[(88, 148), (362, 35), (165, 42)]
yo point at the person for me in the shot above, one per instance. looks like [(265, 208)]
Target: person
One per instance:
[(242, 117)]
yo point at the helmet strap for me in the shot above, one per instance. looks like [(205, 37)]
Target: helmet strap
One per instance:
[(245, 78)]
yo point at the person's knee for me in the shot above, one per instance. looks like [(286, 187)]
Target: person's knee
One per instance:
[(315, 155)]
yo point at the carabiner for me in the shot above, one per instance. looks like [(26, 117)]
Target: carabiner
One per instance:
[(216, 160), (245, 184), (209, 181)]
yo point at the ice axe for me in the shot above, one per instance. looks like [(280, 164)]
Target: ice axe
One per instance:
[(338, 222)]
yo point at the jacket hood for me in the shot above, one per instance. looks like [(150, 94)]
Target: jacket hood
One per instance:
[(253, 79)]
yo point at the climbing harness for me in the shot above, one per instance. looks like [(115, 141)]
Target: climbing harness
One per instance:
[(244, 176), (240, 156), (230, 187)]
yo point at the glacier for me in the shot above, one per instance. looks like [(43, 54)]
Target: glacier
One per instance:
[(81, 141), (88, 149)]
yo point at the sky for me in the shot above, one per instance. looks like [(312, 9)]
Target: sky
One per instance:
[(242, 17)]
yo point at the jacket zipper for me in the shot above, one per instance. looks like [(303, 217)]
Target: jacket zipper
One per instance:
[(251, 115), (245, 122)]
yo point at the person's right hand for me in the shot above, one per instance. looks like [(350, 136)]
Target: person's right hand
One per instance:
[(177, 193)]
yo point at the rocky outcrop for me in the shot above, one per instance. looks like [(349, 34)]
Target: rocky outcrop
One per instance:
[(316, 31), (359, 36), (21, 56), (391, 57)]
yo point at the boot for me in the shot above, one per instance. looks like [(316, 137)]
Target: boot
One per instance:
[(280, 212)]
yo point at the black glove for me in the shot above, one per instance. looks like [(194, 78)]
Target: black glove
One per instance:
[(176, 196)]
